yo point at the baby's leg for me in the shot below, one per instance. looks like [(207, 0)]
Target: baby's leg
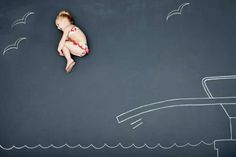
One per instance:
[(70, 61), (75, 49), (66, 53)]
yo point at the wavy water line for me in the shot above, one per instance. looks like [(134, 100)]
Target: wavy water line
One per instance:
[(104, 146)]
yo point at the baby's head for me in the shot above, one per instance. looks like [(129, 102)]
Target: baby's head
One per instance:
[(63, 19)]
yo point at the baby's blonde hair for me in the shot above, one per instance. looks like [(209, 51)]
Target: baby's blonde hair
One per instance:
[(65, 14)]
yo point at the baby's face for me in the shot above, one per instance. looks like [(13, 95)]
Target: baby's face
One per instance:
[(61, 24)]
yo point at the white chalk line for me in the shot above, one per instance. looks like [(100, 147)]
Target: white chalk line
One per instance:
[(224, 140), (136, 121), (215, 78), (15, 45), (231, 129), (137, 125), (115, 146), (22, 20), (154, 103), (174, 106), (204, 80), (177, 11), (171, 106), (205, 87), (103, 146)]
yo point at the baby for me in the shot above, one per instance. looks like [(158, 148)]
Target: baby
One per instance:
[(73, 40)]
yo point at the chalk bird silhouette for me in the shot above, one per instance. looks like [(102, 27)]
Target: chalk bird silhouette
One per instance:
[(177, 11), (13, 46), (21, 20)]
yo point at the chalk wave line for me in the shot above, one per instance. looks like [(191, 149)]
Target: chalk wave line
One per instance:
[(105, 146)]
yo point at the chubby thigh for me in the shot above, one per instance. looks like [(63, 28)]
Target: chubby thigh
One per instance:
[(75, 49)]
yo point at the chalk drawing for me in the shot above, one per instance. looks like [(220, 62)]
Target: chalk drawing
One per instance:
[(105, 146), (22, 20), (136, 121), (137, 125), (178, 11), (219, 141), (179, 102), (209, 94), (15, 45), (184, 102), (172, 103)]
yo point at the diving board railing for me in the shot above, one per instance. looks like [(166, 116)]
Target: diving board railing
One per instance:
[(223, 145), (209, 94)]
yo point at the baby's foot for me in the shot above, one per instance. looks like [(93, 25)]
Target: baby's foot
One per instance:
[(69, 66)]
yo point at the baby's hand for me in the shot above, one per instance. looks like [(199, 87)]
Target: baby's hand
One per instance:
[(60, 52)]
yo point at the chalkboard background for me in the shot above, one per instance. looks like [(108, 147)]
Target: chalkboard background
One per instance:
[(137, 57)]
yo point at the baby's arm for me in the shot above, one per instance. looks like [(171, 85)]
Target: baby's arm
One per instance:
[(63, 40)]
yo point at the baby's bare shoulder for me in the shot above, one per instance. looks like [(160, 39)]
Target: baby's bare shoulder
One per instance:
[(77, 28)]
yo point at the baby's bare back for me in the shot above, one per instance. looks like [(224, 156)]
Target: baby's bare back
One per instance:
[(77, 35)]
